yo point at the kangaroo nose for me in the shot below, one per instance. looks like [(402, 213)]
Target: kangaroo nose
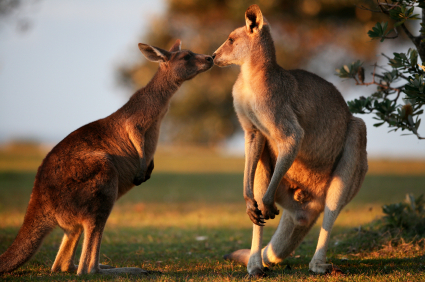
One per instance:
[(213, 56), (209, 59)]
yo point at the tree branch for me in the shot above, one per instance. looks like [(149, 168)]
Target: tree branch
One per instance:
[(414, 39)]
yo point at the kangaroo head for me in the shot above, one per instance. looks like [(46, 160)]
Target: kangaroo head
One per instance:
[(180, 64), (238, 47)]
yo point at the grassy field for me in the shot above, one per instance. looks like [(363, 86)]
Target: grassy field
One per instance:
[(191, 213)]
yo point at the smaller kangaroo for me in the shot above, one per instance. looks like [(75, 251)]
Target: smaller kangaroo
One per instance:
[(303, 148), (82, 177)]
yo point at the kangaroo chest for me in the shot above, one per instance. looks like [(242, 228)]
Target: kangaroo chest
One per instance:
[(249, 108)]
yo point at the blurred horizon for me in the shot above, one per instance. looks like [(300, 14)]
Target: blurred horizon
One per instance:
[(60, 71)]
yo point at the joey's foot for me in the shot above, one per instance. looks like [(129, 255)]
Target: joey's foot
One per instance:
[(318, 266), (139, 179), (143, 176), (254, 213), (149, 171), (126, 270), (269, 211)]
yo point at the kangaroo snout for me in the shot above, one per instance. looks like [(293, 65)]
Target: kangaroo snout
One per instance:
[(214, 56), (218, 60), (207, 63)]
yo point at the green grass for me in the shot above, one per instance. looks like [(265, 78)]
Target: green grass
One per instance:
[(156, 225)]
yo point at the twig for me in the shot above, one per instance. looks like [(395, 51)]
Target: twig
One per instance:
[(384, 87), (398, 95), (382, 9), (385, 56), (392, 37), (393, 5), (415, 132), (413, 38), (367, 9)]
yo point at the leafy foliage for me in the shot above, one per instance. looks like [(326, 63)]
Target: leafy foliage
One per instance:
[(409, 216), (401, 13), (399, 233), (403, 81)]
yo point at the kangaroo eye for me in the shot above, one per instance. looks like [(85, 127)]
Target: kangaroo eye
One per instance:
[(187, 57), (231, 40)]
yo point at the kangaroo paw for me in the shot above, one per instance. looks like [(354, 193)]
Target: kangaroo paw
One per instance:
[(254, 213)]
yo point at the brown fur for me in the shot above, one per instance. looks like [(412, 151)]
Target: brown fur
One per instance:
[(79, 181), (303, 148)]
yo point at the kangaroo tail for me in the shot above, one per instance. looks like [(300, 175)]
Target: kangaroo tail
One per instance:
[(37, 224), (239, 256)]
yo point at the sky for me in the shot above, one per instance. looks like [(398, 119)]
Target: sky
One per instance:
[(61, 73)]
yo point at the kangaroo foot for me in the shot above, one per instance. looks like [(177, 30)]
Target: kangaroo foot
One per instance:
[(255, 266), (101, 266), (127, 270), (104, 266), (257, 273), (318, 266)]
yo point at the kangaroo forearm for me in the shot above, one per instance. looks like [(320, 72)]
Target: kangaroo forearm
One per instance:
[(138, 144), (254, 142), (282, 166), (253, 149), (288, 150)]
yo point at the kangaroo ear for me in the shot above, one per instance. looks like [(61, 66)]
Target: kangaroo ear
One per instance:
[(154, 54), (254, 18), (176, 46)]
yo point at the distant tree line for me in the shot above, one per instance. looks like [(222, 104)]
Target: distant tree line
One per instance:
[(307, 33)]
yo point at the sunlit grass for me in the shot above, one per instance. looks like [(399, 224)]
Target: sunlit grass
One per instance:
[(191, 212)]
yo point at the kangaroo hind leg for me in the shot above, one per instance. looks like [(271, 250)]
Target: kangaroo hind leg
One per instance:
[(263, 175), (286, 238), (65, 258), (252, 258), (344, 185), (94, 221)]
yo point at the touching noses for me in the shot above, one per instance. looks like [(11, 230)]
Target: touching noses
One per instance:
[(209, 59), (213, 56)]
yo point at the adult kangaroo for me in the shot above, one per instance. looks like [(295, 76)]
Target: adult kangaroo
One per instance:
[(82, 177), (304, 150)]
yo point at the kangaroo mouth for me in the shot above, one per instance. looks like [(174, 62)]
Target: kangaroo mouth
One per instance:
[(208, 65), (220, 63)]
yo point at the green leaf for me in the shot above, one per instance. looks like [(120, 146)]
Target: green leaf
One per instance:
[(413, 57), (399, 23), (378, 31)]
